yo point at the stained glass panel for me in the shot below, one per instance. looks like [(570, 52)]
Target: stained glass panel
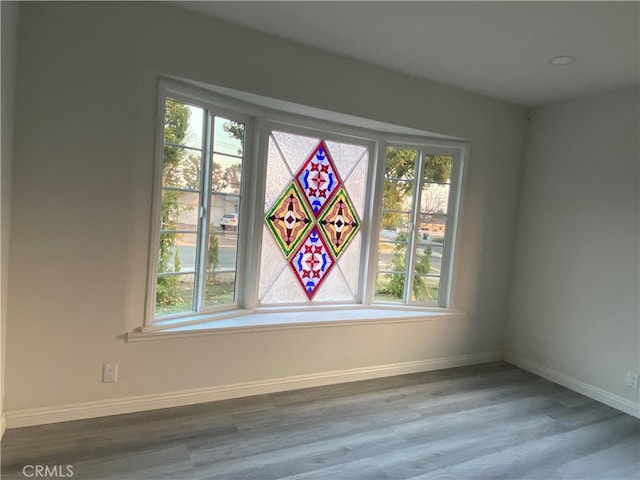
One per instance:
[(289, 220), (339, 223), (312, 262), (311, 220), (318, 178)]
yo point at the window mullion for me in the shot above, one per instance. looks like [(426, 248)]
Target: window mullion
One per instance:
[(413, 230), (203, 220)]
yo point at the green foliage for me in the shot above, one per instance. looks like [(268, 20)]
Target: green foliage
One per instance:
[(400, 165), (437, 168), (212, 258), (395, 286), (175, 128), (235, 130)]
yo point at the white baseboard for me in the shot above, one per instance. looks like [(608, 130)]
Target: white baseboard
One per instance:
[(615, 401), (117, 406)]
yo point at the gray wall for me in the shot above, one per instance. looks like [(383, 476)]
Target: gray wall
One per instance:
[(85, 120), (9, 15), (574, 296)]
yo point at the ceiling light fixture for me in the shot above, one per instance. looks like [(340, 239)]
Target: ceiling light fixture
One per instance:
[(562, 60)]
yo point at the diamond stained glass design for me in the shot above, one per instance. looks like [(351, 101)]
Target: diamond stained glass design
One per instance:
[(312, 262), (289, 219), (339, 223), (318, 178)]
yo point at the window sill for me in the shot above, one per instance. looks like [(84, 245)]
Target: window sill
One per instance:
[(249, 321)]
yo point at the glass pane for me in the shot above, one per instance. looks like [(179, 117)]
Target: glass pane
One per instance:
[(401, 163), (349, 262), (228, 136), (179, 210), (219, 288), (334, 289), (428, 258), (434, 198), (272, 261), (278, 175), (223, 212), (392, 256), (437, 168), (226, 174), (295, 148), (425, 289), (181, 168), (345, 156), (394, 224), (177, 252), (286, 289), (174, 294), (389, 287), (356, 185), (222, 252), (183, 124), (432, 228), (397, 195)]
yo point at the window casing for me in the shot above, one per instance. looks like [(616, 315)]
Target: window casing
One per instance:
[(248, 158)]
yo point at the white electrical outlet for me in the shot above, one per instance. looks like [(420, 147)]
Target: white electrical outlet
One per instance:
[(632, 379), (110, 373)]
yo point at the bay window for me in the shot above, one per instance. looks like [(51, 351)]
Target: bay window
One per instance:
[(260, 209)]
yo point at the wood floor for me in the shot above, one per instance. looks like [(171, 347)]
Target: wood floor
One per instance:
[(491, 421)]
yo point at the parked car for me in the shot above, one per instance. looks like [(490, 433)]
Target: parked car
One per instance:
[(230, 221)]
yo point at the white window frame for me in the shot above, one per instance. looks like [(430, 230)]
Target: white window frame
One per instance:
[(424, 147), (260, 121)]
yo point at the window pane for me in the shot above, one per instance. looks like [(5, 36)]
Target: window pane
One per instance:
[(434, 198), (278, 175), (180, 210), (222, 252), (219, 288), (228, 136), (183, 124), (389, 287), (400, 163), (345, 156), (394, 224), (428, 258), (225, 174), (425, 289), (295, 148), (392, 256), (433, 227), (223, 211), (177, 252), (174, 294), (397, 195), (437, 168), (181, 168), (356, 185)]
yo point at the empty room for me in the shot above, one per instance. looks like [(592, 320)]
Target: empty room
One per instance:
[(320, 240)]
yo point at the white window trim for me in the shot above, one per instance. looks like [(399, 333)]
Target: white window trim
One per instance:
[(247, 311)]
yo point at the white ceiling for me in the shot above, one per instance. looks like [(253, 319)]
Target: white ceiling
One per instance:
[(497, 49)]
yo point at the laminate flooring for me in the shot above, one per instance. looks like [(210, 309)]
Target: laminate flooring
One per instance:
[(490, 421)]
